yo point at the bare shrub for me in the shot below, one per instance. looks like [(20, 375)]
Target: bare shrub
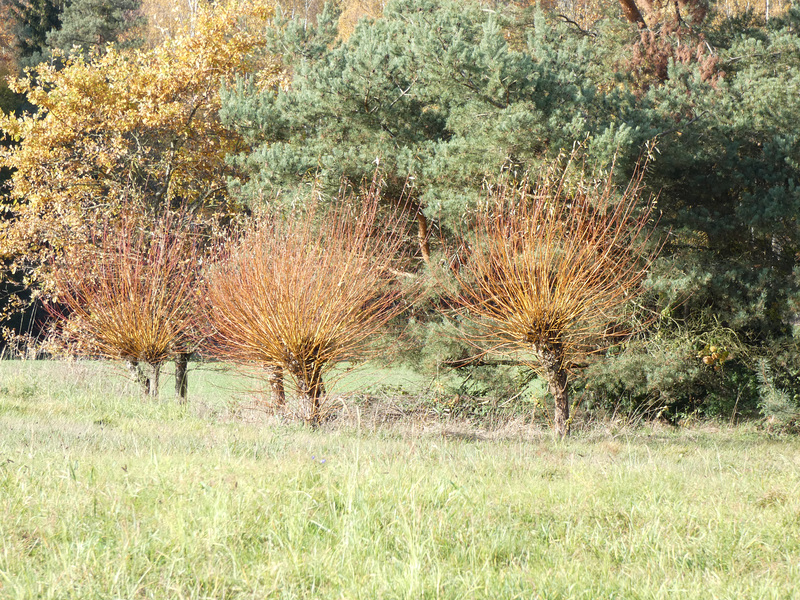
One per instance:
[(129, 294), (551, 266), (302, 293)]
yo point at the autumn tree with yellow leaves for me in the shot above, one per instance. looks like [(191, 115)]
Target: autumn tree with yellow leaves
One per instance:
[(135, 129)]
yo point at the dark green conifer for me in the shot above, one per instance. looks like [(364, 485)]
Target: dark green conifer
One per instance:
[(88, 24), (36, 18)]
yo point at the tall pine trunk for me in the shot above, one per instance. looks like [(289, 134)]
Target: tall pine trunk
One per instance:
[(422, 236), (632, 13)]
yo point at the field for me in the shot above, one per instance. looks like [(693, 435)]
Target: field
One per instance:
[(105, 495)]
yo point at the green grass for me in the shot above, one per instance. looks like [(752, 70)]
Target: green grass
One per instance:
[(104, 495)]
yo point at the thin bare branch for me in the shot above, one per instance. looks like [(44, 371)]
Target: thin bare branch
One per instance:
[(130, 294)]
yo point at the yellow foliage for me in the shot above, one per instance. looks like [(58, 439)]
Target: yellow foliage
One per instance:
[(355, 10), (136, 128)]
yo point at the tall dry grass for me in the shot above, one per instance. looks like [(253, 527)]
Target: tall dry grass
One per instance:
[(130, 294), (552, 265), (302, 293)]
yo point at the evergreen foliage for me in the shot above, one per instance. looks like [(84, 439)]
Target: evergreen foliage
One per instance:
[(432, 90), (36, 18), (88, 24), (727, 169), (451, 96)]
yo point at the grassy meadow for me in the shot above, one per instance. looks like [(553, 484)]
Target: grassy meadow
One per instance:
[(105, 495)]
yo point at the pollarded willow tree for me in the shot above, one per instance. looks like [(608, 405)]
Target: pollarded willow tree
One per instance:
[(552, 266), (130, 294), (302, 293)]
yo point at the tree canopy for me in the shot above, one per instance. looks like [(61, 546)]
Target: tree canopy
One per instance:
[(87, 24), (128, 128)]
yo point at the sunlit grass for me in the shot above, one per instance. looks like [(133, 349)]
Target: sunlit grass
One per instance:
[(106, 495)]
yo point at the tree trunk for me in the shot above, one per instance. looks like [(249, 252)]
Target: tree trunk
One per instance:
[(422, 236), (155, 370), (551, 359), (557, 382), (312, 392), (138, 376), (182, 377), (275, 379), (632, 13)]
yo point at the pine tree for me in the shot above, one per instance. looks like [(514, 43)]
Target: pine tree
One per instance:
[(432, 92), (727, 166), (35, 18), (88, 24)]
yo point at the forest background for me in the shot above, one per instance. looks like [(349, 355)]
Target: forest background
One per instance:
[(249, 106)]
